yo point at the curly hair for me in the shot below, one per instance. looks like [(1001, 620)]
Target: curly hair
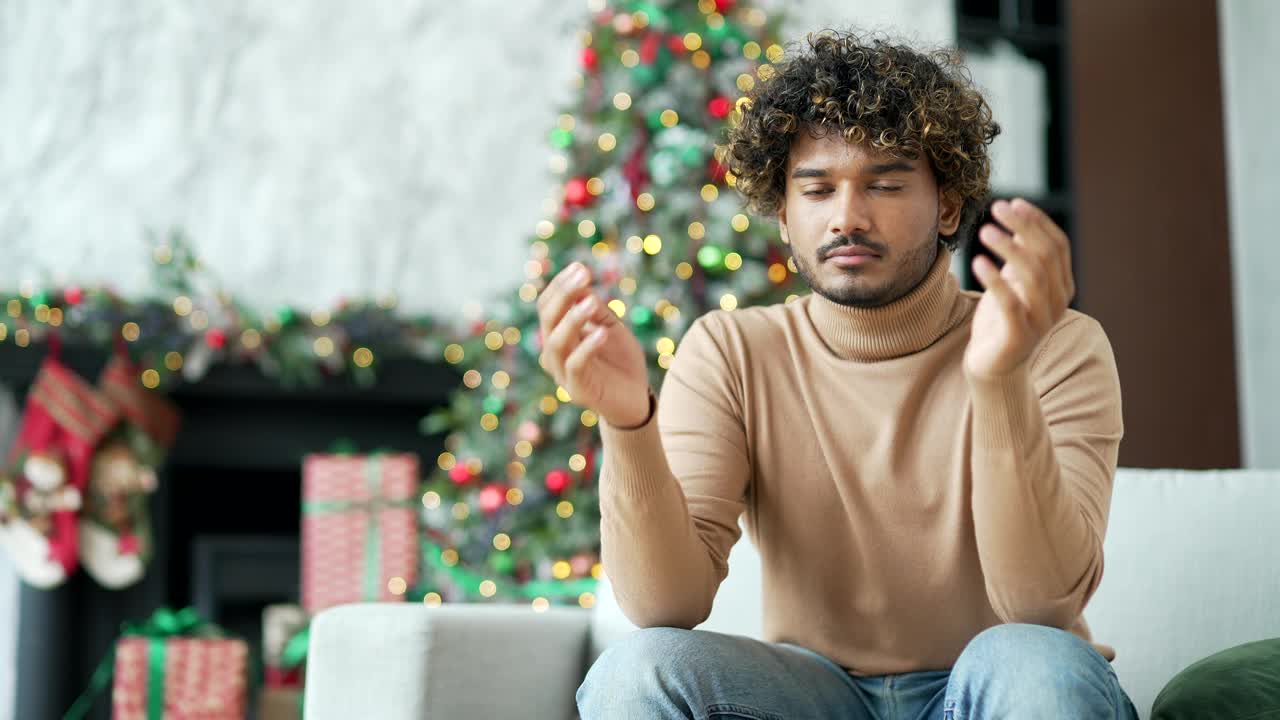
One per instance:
[(868, 90)]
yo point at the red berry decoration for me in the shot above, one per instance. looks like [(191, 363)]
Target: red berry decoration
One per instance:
[(557, 481), (215, 339), (460, 474), (590, 60), (491, 498), (719, 107), (73, 295), (575, 192), (675, 43), (724, 6)]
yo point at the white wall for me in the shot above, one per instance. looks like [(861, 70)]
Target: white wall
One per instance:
[(313, 150), (1250, 48)]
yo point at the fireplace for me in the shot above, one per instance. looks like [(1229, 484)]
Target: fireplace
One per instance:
[(226, 516)]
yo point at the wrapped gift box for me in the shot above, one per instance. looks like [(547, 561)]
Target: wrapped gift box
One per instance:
[(359, 528), (201, 678)]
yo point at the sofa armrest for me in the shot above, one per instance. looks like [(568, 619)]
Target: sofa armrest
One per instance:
[(454, 662)]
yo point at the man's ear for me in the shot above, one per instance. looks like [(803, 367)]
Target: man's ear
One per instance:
[(782, 224), (949, 206)]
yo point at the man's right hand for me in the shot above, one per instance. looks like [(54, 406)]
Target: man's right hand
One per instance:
[(590, 352)]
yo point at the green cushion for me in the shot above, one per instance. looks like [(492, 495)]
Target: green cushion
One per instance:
[(1242, 683)]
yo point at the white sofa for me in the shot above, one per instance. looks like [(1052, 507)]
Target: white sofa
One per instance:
[(1192, 567)]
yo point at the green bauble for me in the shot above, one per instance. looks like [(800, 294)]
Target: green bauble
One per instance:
[(710, 257), (285, 315), (641, 316), (494, 404), (561, 138)]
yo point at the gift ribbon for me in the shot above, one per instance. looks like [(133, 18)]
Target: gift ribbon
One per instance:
[(162, 625), (373, 506)]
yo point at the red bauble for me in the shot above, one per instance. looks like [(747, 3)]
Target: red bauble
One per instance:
[(73, 295), (215, 339), (675, 43), (724, 6), (719, 107), (649, 48), (460, 474), (557, 481), (590, 60), (492, 497), (575, 192)]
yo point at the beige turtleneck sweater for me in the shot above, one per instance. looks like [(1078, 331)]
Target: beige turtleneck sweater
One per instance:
[(899, 506)]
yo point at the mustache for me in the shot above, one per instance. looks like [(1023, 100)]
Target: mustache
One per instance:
[(850, 241)]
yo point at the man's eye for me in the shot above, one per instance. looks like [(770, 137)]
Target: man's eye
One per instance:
[(887, 188), (815, 192)]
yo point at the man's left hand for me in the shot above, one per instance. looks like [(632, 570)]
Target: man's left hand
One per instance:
[(1025, 298)]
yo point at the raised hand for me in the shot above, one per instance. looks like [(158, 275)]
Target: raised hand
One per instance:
[(590, 352), (1025, 298)]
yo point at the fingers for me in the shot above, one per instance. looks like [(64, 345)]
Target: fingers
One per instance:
[(1023, 271), (581, 355), (1034, 228), (563, 290), (995, 283), (568, 333)]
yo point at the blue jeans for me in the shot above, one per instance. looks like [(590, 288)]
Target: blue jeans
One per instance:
[(1008, 671)]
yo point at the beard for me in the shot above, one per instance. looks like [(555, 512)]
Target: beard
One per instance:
[(853, 288)]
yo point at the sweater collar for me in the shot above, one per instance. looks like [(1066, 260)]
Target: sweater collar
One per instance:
[(905, 326)]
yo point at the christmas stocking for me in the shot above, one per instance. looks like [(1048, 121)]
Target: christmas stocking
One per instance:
[(49, 464), (115, 528)]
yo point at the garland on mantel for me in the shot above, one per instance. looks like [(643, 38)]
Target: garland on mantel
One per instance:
[(191, 323)]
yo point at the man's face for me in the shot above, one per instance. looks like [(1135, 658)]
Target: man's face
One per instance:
[(842, 198)]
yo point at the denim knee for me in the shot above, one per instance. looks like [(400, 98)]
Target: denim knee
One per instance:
[(632, 669), (1034, 669)]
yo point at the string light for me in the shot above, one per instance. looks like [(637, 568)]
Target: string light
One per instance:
[(362, 357), (645, 202), (607, 142), (431, 499), (130, 331), (622, 101), (652, 244), (173, 361), (432, 599), (182, 305)]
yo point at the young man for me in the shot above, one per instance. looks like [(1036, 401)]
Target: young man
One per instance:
[(925, 471)]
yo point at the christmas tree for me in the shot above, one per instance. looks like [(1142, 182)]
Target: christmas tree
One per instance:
[(511, 509)]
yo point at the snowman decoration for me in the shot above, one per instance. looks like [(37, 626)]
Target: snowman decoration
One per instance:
[(112, 549), (40, 527)]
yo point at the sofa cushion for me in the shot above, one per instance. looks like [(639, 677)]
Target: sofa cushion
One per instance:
[(1235, 684)]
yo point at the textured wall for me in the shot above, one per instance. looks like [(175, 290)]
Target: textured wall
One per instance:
[(313, 149), (1251, 98)]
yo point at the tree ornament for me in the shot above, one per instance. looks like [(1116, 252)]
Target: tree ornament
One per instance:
[(73, 295), (215, 338), (590, 59), (719, 106), (557, 480), (576, 193), (492, 498), (460, 474)]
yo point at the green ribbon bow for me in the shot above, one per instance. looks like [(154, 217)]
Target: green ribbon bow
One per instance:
[(162, 625)]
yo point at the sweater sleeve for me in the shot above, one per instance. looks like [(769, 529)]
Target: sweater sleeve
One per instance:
[(1045, 446), (671, 490)]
